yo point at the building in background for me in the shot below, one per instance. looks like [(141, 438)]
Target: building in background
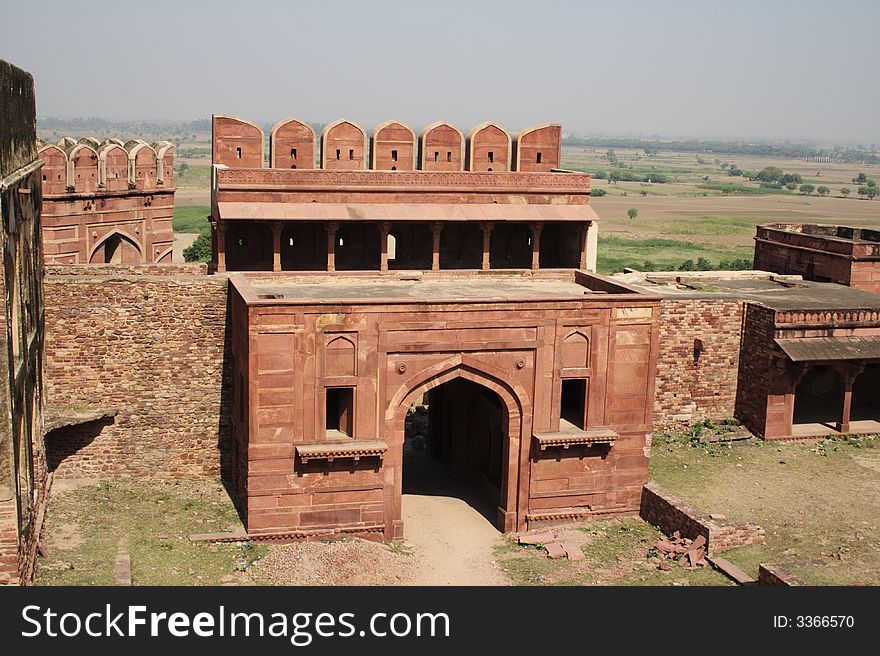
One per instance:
[(107, 203), (824, 253)]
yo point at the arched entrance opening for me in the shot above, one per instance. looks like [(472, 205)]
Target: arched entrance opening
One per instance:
[(818, 397), (454, 446), (116, 249)]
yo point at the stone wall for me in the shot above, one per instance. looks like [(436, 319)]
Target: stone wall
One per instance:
[(698, 360), (151, 344), (23, 479), (670, 513)]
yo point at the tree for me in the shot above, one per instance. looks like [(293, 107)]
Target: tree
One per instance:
[(600, 175), (806, 189), (734, 170), (822, 190), (791, 186), (643, 193), (861, 178), (200, 251), (632, 213), (869, 190), (770, 174), (844, 191)]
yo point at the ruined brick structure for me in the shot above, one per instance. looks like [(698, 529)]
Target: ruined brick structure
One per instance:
[(107, 202), (23, 478), (841, 254), (145, 349), (789, 358)]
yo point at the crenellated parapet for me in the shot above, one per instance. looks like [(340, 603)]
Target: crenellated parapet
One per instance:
[(391, 146), (107, 201), (88, 166)]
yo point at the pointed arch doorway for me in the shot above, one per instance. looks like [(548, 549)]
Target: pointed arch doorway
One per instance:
[(456, 431)]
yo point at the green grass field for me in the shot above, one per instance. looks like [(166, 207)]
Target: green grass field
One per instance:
[(84, 527), (815, 500), (191, 218), (615, 253), (195, 175)]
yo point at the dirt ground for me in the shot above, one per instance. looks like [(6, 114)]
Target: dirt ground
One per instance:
[(447, 543), (816, 499)]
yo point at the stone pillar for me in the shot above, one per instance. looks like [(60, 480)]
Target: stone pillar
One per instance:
[(221, 246), (848, 374), (589, 246), (332, 227), (436, 230), (487, 241), (276, 245), (384, 229), (536, 245)]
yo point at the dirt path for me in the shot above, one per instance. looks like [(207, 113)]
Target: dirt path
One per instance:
[(452, 542), (181, 240)]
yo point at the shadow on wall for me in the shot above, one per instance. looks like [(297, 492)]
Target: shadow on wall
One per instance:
[(63, 442), (230, 468)]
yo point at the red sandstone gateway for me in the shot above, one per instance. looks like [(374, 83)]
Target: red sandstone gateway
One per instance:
[(538, 391), (420, 320)]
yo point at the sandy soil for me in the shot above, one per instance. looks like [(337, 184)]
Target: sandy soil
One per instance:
[(181, 240), (452, 542), (449, 540)]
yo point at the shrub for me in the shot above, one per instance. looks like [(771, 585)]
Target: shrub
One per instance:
[(200, 251)]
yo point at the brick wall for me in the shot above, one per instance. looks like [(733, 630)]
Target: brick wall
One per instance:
[(151, 343), (690, 390), (670, 513)]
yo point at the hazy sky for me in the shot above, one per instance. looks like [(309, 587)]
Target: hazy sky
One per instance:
[(734, 69)]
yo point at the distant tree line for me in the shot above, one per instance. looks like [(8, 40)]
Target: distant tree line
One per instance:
[(850, 154)]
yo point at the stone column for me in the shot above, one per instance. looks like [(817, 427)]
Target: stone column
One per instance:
[(276, 245), (436, 230), (487, 241), (536, 245), (221, 246), (589, 246), (332, 227), (848, 374), (384, 229)]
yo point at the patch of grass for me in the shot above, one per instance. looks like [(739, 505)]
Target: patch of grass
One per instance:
[(193, 175), (84, 527), (706, 225), (615, 253), (815, 500), (191, 218), (526, 565), (740, 189), (616, 553)]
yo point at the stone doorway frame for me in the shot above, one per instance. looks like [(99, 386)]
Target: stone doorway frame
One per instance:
[(514, 476)]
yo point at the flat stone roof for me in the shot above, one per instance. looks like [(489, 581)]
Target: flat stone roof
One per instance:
[(328, 288), (776, 291)]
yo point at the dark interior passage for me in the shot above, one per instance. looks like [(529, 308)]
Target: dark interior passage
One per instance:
[(819, 397), (454, 445), (866, 394), (304, 247)]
